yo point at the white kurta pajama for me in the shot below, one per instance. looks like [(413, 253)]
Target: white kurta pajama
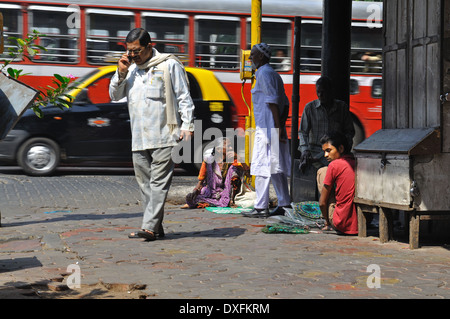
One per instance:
[(271, 159)]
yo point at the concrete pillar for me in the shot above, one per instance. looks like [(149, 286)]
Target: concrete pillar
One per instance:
[(336, 40)]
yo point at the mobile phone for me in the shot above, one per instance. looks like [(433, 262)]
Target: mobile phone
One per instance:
[(130, 58)]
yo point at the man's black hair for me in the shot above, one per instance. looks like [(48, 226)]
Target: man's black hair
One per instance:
[(325, 82), (139, 34), (336, 139)]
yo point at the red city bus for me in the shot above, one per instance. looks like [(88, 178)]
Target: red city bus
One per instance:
[(206, 34)]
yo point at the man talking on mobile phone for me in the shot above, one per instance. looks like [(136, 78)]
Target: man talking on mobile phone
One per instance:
[(161, 114)]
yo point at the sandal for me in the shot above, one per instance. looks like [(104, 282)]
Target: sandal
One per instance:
[(327, 228), (146, 234), (133, 235)]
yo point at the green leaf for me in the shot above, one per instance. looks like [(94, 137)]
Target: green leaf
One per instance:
[(39, 47), (59, 78), (57, 83), (38, 111), (31, 51), (21, 42), (12, 39), (11, 72), (14, 73), (73, 87), (38, 34)]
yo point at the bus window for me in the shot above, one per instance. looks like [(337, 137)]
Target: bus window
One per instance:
[(12, 20), (311, 42), (366, 49), (60, 41), (217, 42), (169, 33), (277, 34), (106, 40), (366, 46), (377, 89), (354, 87)]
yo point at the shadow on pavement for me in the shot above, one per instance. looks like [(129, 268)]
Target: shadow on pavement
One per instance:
[(226, 232), (75, 217), (13, 264)]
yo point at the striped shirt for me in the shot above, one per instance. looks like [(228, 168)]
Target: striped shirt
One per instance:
[(317, 121)]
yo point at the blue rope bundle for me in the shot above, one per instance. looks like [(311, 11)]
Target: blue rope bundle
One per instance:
[(308, 209)]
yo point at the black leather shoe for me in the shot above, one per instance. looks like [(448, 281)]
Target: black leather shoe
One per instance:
[(279, 210), (255, 213)]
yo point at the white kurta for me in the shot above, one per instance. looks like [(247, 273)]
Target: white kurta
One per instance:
[(270, 156), (147, 103)]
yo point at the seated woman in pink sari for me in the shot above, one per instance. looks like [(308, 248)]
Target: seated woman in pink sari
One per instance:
[(219, 179)]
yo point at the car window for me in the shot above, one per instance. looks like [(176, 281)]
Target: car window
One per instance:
[(194, 87), (98, 92)]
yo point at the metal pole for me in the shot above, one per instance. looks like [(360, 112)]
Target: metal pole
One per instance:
[(255, 39), (295, 96), (256, 21)]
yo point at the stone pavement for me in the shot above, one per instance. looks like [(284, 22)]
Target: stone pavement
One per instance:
[(204, 255)]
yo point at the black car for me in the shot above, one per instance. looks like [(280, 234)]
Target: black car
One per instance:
[(96, 131)]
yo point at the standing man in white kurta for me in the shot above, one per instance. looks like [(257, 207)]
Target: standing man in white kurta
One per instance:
[(271, 159), (161, 113)]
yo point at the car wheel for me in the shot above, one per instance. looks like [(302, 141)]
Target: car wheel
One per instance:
[(39, 156)]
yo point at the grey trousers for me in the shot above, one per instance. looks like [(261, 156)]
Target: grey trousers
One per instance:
[(153, 169)]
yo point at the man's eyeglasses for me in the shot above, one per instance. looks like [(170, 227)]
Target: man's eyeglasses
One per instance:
[(135, 52)]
